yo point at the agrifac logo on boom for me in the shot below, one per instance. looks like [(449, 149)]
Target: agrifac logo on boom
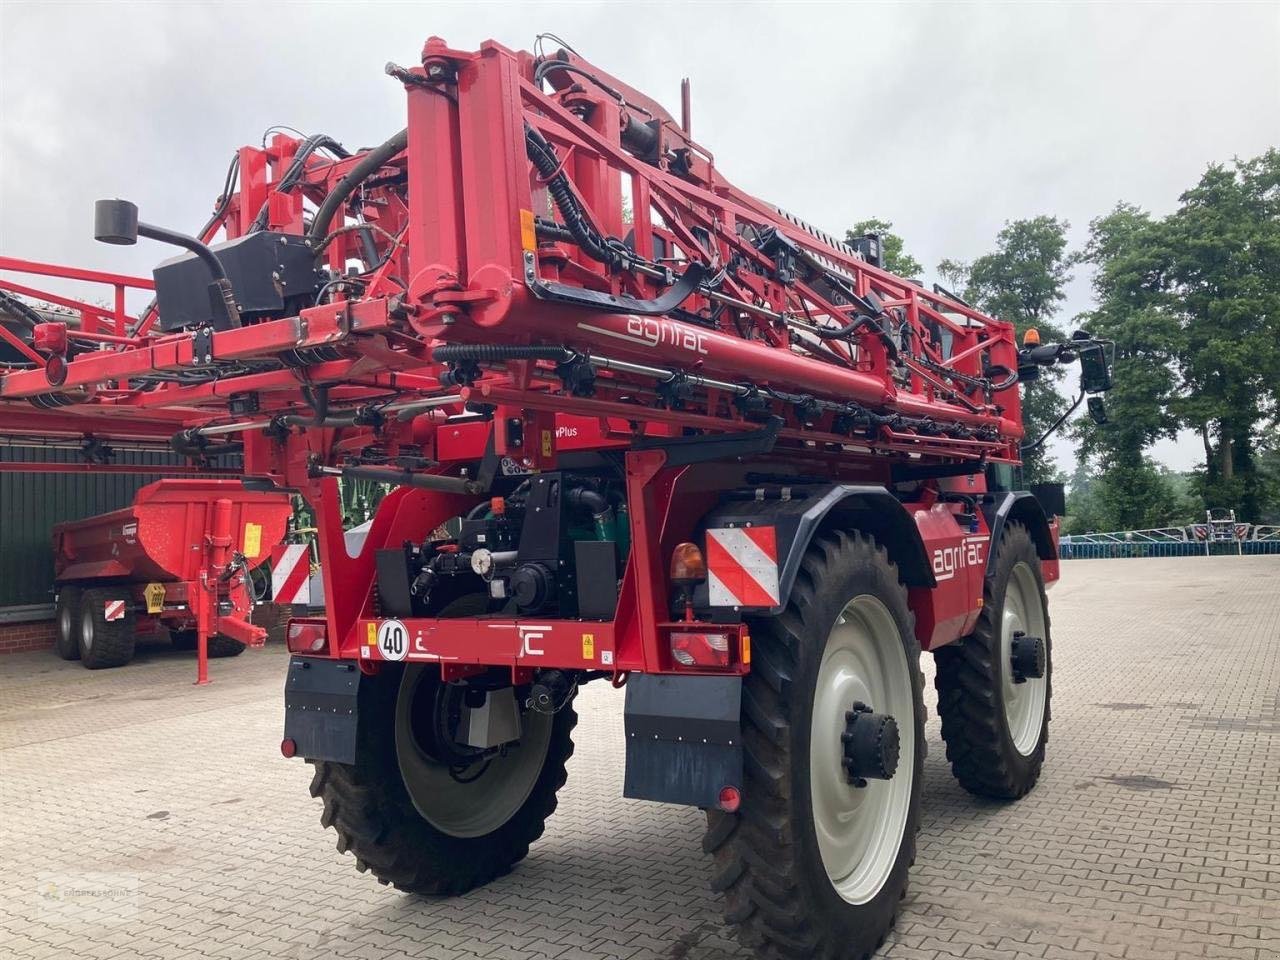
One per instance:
[(655, 332)]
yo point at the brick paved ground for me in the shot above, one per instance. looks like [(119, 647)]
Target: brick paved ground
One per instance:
[(140, 816)]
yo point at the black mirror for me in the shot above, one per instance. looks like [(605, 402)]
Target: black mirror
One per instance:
[(1095, 369), (1052, 498), (1098, 411), (115, 221)]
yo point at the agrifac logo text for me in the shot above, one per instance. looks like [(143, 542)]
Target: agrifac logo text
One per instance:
[(948, 560)]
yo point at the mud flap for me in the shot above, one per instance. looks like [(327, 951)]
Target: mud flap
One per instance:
[(320, 708), (684, 738)]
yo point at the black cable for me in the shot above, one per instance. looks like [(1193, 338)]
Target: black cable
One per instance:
[(370, 163), (296, 169), (23, 313)]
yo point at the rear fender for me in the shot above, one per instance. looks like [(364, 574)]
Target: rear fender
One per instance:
[(811, 511)]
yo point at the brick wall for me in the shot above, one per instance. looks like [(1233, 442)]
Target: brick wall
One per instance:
[(17, 637)]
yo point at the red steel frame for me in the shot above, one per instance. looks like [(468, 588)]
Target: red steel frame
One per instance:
[(457, 217)]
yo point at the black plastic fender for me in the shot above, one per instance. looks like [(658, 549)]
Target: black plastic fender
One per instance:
[(804, 511), (1022, 507)]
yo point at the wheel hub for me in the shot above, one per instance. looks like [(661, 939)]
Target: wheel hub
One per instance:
[(1026, 657), (871, 745)]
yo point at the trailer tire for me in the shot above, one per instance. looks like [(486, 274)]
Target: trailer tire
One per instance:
[(369, 806), (105, 643), (67, 641), (220, 646), (793, 886), (995, 729)]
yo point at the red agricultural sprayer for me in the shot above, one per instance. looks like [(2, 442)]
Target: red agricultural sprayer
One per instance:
[(643, 429)]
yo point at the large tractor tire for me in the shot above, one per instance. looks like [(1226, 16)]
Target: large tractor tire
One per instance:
[(105, 643), (67, 614), (994, 686), (428, 826), (815, 862)]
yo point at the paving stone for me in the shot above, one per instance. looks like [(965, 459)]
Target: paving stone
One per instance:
[(1154, 831)]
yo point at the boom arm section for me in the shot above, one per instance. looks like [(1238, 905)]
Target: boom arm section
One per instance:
[(569, 229)]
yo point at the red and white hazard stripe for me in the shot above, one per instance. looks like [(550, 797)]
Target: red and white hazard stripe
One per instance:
[(291, 573), (113, 610), (742, 567)]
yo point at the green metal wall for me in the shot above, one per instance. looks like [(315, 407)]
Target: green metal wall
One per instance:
[(31, 503)]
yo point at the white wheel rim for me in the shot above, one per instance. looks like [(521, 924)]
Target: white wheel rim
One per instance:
[(860, 830), (480, 807), (1023, 702)]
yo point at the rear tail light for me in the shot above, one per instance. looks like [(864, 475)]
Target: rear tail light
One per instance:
[(730, 799), (306, 636), (700, 650)]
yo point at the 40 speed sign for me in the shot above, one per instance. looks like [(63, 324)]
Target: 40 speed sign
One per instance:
[(393, 640)]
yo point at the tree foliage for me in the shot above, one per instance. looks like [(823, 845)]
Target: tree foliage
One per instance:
[(1023, 281), (1193, 303)]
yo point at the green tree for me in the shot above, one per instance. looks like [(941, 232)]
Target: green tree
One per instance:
[(896, 259), (1223, 279), (1193, 303), (1022, 281), (1125, 251)]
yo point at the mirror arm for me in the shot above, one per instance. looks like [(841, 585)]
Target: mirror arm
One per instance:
[(1028, 447)]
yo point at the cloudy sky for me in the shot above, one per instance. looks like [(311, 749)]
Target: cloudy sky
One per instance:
[(946, 118)]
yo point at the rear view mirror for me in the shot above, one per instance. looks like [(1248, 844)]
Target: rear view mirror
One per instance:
[(1095, 369), (1098, 411)]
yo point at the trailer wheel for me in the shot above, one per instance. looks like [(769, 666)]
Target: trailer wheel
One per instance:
[(184, 639), (994, 686), (220, 646), (103, 642), (67, 643), (815, 861), (423, 826)]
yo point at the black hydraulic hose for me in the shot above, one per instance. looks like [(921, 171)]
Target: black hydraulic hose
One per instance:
[(1011, 377), (496, 353), (369, 164), (600, 508), (318, 400), (588, 499), (337, 420), (547, 163), (189, 443), (20, 311), (297, 168)]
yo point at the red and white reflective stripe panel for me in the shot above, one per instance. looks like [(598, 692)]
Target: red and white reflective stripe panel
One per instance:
[(113, 610), (742, 567), (291, 573)]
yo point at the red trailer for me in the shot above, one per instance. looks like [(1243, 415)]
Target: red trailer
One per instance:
[(180, 557)]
